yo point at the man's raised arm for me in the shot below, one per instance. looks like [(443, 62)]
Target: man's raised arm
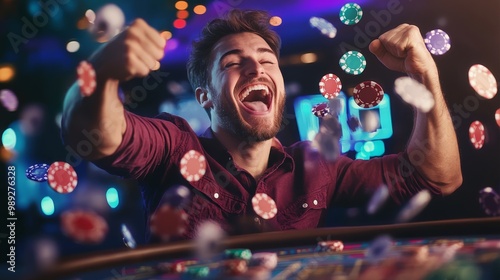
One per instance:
[(132, 53), (433, 147)]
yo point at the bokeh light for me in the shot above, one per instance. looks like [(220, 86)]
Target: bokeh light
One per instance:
[(183, 14), (7, 72), (9, 139), (90, 15), (72, 46), (47, 205), (275, 21), (179, 23), (112, 197), (181, 5), (167, 35), (199, 9), (308, 58)]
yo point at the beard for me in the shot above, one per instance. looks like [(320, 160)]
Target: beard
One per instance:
[(260, 130)]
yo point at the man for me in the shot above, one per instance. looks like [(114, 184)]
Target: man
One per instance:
[(235, 72)]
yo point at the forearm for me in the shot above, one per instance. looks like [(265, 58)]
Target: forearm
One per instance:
[(100, 115), (433, 147)]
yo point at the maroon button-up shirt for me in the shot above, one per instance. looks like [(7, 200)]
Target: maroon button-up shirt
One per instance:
[(301, 183)]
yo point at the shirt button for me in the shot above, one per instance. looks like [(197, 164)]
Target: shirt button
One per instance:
[(216, 195), (305, 205), (315, 202)]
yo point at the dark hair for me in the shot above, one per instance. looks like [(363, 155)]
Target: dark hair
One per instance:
[(236, 21)]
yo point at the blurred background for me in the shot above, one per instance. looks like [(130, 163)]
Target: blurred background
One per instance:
[(44, 41)]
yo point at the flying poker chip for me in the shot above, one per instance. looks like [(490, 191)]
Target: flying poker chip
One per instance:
[(477, 134), (324, 26), (497, 116), (86, 78), (368, 94), (437, 42), (414, 93), (193, 166), (128, 239), (264, 206), (208, 240), (9, 100), (377, 200), (350, 13), (37, 172), (62, 177), (416, 204), (379, 248), (482, 81), (168, 222), (490, 201), (321, 109), (330, 86), (353, 62), (84, 226)]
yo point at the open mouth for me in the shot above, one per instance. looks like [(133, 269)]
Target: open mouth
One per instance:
[(256, 98)]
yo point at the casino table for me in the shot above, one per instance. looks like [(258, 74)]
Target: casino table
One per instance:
[(299, 257)]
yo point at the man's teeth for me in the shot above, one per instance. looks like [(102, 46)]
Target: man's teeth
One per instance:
[(247, 91)]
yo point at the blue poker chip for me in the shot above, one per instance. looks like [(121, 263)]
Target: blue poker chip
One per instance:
[(37, 172)]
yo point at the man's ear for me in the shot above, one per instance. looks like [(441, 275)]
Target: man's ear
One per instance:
[(203, 98)]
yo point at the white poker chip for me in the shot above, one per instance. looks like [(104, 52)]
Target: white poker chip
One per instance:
[(414, 93), (416, 204)]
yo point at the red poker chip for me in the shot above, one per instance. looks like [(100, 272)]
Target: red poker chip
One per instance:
[(264, 206), (497, 116), (368, 94), (84, 226), (167, 222), (321, 109), (62, 177), (193, 166), (330, 86), (86, 78), (483, 81), (477, 134)]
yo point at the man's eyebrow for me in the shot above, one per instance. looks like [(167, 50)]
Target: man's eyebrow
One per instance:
[(238, 51)]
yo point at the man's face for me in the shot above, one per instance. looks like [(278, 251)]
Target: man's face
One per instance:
[(246, 88)]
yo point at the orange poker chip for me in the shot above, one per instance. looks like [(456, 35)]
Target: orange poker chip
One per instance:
[(264, 206), (477, 134), (330, 86), (62, 177), (368, 94), (84, 226), (86, 78), (193, 166)]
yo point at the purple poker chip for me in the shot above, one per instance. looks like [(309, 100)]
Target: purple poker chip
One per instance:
[(37, 172), (437, 42), (490, 201), (8, 100), (321, 109)]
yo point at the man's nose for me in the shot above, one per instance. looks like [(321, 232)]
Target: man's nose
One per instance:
[(254, 68)]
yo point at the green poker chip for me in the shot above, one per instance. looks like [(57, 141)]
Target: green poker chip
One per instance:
[(350, 13), (353, 62)]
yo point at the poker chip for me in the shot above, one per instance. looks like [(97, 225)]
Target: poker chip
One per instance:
[(353, 62), (269, 260), (235, 267), (350, 13), (84, 226), (497, 116), (86, 78), (489, 201), (330, 86), (321, 109), (416, 204), (368, 94), (414, 93), (193, 166), (324, 26), (331, 246), (477, 134), (177, 196), (238, 253), (208, 239), (128, 239), (37, 172), (482, 81), (62, 177), (437, 42), (377, 200), (167, 222), (264, 206), (9, 100)]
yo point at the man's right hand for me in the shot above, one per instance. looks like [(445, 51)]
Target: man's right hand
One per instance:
[(134, 52)]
